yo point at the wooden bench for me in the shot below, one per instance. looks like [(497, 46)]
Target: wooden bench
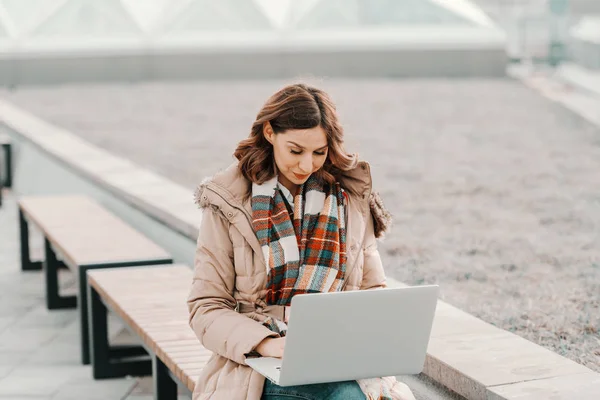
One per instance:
[(6, 169), (84, 236), (152, 303)]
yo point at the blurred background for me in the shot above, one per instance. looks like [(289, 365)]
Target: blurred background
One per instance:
[(493, 184), (52, 41)]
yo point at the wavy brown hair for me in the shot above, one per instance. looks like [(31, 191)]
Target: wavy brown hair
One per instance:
[(297, 106)]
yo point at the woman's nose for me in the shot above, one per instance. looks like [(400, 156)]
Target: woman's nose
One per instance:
[(306, 165)]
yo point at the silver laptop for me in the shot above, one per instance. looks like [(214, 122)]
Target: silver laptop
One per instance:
[(351, 335)]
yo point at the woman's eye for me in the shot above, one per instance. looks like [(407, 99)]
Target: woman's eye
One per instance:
[(320, 153), (296, 152)]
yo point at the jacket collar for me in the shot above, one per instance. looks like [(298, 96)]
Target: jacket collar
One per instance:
[(227, 194), (231, 185)]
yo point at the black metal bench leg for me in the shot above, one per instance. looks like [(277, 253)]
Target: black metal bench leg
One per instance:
[(107, 361), (98, 334), (53, 299), (83, 316), (165, 388), (7, 181), (8, 164), (26, 263)]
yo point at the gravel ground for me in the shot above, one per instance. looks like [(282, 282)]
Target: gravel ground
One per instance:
[(495, 190)]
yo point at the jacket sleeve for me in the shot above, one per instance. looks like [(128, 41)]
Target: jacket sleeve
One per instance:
[(211, 304), (373, 274)]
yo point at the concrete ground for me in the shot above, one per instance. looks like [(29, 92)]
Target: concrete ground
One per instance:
[(494, 188), (39, 349)]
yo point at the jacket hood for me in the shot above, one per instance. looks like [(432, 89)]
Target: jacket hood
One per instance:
[(233, 188)]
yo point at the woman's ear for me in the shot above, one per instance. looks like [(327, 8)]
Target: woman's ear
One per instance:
[(268, 132)]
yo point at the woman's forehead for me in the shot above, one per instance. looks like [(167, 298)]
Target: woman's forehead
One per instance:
[(313, 138)]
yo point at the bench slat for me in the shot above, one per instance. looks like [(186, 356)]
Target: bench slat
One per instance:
[(170, 336), (182, 359), (187, 352)]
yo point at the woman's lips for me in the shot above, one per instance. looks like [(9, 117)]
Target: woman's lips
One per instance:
[(298, 176)]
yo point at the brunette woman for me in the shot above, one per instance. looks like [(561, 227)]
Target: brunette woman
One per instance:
[(295, 214)]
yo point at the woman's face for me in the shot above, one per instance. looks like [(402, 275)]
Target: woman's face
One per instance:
[(298, 154)]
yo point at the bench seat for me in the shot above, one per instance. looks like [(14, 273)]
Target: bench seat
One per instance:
[(152, 303), (83, 235)]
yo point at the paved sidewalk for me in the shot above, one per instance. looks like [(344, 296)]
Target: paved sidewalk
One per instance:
[(39, 349)]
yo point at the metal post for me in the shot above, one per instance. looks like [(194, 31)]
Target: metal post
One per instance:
[(54, 300), (8, 163), (51, 276), (98, 334), (165, 388), (83, 316), (26, 263)]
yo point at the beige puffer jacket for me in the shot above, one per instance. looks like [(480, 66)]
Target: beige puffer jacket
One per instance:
[(226, 299)]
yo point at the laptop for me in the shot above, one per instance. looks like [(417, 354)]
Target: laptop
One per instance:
[(352, 335)]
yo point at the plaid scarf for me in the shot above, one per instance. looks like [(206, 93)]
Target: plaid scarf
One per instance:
[(306, 253)]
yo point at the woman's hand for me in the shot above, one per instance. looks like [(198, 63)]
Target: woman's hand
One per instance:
[(271, 347)]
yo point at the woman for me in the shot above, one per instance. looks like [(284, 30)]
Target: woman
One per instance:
[(272, 222)]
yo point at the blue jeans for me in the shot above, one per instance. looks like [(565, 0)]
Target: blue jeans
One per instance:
[(348, 390)]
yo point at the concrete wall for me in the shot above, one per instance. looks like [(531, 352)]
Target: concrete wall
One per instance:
[(20, 69), (37, 172)]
